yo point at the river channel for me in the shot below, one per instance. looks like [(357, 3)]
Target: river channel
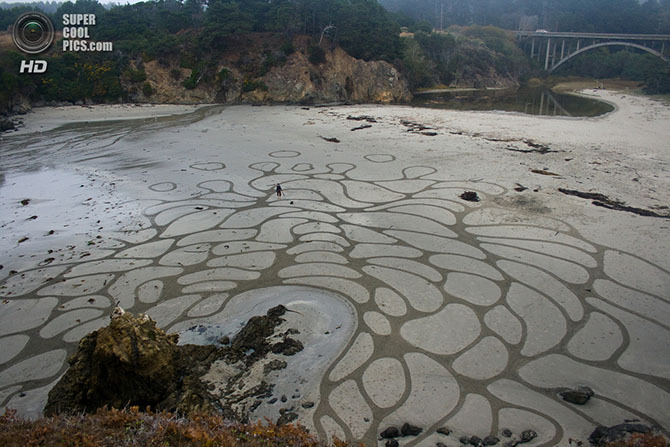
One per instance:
[(531, 101)]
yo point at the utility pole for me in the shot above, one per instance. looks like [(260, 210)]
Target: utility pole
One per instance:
[(441, 12)]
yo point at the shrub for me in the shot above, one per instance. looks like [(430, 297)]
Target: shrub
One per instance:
[(175, 74), (287, 48), (190, 83), (147, 90), (316, 55), (250, 85), (135, 75), (225, 77)]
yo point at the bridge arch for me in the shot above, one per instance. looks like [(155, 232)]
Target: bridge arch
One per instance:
[(605, 44)]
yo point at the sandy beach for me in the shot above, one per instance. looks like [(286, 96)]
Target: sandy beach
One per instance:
[(42, 119), (420, 306)]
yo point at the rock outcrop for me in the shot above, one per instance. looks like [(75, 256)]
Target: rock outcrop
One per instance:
[(606, 435), (132, 362), (257, 71), (341, 78)]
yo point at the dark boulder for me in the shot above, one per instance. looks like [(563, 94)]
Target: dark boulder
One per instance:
[(491, 440), (390, 432), (527, 436), (287, 417), (470, 196), (578, 396), (408, 429)]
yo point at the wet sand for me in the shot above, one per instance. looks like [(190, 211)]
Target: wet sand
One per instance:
[(470, 315), (43, 119)]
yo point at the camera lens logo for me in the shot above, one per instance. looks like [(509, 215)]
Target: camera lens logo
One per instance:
[(33, 32)]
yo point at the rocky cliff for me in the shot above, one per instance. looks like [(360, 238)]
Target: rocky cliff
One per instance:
[(265, 68)]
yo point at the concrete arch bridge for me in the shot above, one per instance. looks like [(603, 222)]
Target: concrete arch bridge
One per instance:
[(558, 48)]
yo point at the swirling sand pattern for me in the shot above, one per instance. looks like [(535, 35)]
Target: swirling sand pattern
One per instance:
[(463, 321)]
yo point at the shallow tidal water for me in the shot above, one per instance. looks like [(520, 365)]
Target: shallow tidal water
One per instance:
[(531, 101)]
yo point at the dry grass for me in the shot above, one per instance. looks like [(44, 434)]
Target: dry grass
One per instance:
[(132, 427), (642, 440), (6, 42)]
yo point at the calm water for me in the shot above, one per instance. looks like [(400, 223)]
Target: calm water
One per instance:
[(532, 101)]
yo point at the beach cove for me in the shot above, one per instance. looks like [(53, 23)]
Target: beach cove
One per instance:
[(427, 307)]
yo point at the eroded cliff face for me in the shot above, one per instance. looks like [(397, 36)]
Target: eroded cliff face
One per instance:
[(243, 75), (339, 78)]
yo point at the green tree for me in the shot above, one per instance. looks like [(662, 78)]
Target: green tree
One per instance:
[(224, 18)]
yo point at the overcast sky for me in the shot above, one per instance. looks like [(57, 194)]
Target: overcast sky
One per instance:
[(121, 2)]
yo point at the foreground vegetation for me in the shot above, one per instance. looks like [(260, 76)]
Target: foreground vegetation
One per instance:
[(135, 428)]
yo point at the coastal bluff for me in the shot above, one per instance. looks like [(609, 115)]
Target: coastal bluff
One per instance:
[(261, 68)]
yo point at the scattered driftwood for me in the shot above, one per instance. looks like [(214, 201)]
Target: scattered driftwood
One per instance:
[(605, 202), (497, 140), (414, 127), (538, 147), (330, 140), (367, 118), (364, 126), (588, 195), (544, 172), (519, 187), (429, 134), (534, 148)]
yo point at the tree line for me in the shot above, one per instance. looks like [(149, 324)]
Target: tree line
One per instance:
[(362, 27), (194, 32), (597, 16)]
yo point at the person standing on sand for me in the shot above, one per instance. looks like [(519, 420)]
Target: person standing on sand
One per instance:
[(279, 190)]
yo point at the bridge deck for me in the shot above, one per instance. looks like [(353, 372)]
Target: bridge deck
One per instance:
[(593, 35)]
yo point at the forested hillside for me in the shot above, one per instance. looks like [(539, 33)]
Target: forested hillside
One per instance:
[(193, 33), (190, 45), (473, 57), (597, 16)]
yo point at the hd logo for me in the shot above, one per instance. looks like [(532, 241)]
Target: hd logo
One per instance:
[(35, 66), (33, 33)]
